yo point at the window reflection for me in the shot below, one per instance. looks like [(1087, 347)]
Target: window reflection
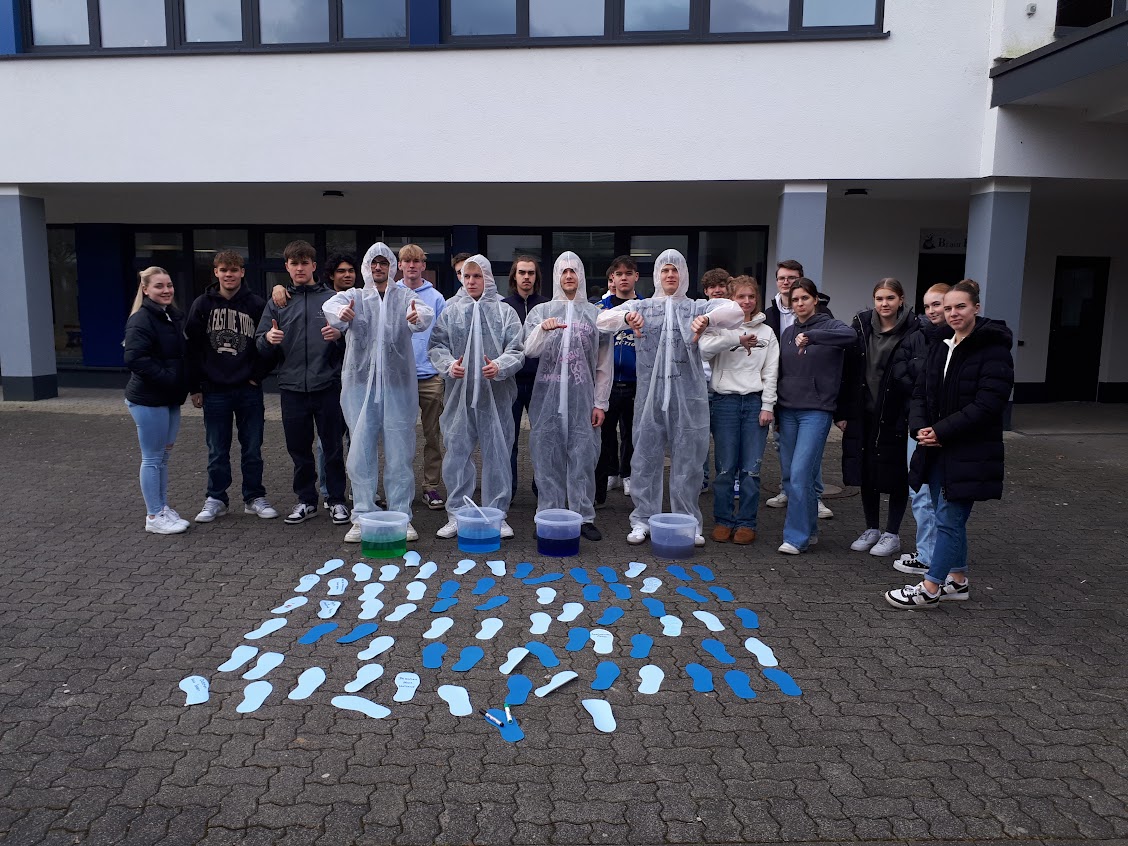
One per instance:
[(63, 263), (748, 15), (374, 18), (56, 23), (132, 23), (655, 15), (483, 17), (551, 18), (839, 12), (294, 21), (212, 20)]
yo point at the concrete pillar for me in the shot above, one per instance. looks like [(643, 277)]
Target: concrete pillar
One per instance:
[(27, 334), (800, 232), (996, 247)]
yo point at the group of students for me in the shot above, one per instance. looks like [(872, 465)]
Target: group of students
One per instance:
[(360, 365)]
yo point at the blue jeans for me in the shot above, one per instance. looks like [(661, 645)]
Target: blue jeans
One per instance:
[(157, 427), (802, 439), (950, 555), (739, 442), (784, 470), (244, 406), (925, 516)]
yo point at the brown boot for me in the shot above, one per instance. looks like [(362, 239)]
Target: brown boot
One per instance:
[(722, 534), (744, 535)]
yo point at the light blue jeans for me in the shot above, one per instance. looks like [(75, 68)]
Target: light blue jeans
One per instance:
[(157, 427), (784, 471), (951, 530), (802, 440), (925, 515), (739, 441)]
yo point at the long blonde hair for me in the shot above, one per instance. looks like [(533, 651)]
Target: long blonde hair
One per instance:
[(145, 275)]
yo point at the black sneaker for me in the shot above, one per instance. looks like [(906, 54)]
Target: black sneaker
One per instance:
[(912, 598), (589, 531), (909, 563), (955, 590), (340, 514), (301, 513)]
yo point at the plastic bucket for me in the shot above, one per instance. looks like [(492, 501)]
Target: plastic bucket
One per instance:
[(383, 534), (672, 535), (558, 532), (479, 528)]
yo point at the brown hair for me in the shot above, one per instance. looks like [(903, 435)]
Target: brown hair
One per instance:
[(227, 257), (940, 288), (513, 274), (412, 252), (889, 284), (716, 276), (625, 262), (969, 287), (807, 285), (458, 258), (789, 264), (144, 276), (298, 250), (739, 283)]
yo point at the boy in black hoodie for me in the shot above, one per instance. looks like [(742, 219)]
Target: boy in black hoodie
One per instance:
[(225, 378)]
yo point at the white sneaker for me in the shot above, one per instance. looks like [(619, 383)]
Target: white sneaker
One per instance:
[(866, 540), (626, 486), (165, 524), (449, 530), (910, 563), (262, 507), (824, 512), (353, 534), (699, 540), (777, 501), (614, 482), (506, 530), (638, 535), (788, 549), (887, 544), (340, 514), (412, 535), (170, 512), (212, 508)]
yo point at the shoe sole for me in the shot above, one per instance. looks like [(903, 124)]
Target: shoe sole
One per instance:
[(636, 542), (883, 554), (168, 532), (338, 522), (901, 607), (826, 516), (771, 504), (856, 548), (292, 521), (913, 571), (351, 540), (260, 514), (955, 597)]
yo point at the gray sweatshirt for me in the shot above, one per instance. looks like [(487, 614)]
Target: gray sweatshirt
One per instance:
[(306, 362)]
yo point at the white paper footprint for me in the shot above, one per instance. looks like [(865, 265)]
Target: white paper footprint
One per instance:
[(240, 655), (388, 572), (254, 695), (308, 682), (290, 604), (762, 651), (650, 678), (271, 625), (496, 567), (557, 681), (362, 571), (306, 583), (415, 591), (406, 685), (327, 608), (369, 609), (601, 714), (464, 566), (337, 586), (362, 705), (571, 611), (457, 699), (671, 625), (541, 622), (516, 655), (371, 591), (635, 570), (378, 646), (604, 641), (545, 595), (710, 620), (330, 565), (364, 677), (411, 558), (266, 662), (427, 570), (650, 584), (401, 611), (195, 690), (439, 627), (490, 627)]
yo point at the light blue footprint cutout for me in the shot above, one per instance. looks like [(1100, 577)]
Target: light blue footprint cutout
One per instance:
[(621, 591), (266, 662), (635, 569), (369, 610), (610, 616), (290, 604), (640, 645), (556, 682), (362, 705), (415, 591), (433, 655), (448, 589), (388, 572), (570, 611), (545, 579), (601, 715), (361, 571), (492, 603), (650, 584), (690, 593), (671, 625), (717, 650), (516, 655), (490, 627), (545, 596), (702, 678), (363, 630), (443, 605), (519, 687), (540, 622), (703, 572), (544, 654), (329, 566), (510, 730), (522, 570), (464, 566), (371, 591), (306, 583), (379, 646), (484, 586), (400, 612), (427, 570), (577, 639), (740, 683), (782, 680), (723, 594), (603, 641), (364, 677), (337, 587), (748, 618), (411, 558), (678, 572), (762, 651), (195, 690), (269, 627), (580, 575), (328, 607), (496, 567), (710, 620), (606, 675), (469, 656), (650, 679), (308, 682), (439, 627), (608, 574), (656, 607), (240, 655), (317, 632), (254, 695), (406, 685), (592, 593), (457, 699)]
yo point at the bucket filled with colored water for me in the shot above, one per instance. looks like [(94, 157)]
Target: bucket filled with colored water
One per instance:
[(479, 528), (383, 534), (558, 532), (672, 535)]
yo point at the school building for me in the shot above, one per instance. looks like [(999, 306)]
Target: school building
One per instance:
[(867, 138)]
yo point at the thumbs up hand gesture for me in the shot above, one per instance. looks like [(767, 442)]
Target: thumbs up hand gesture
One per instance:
[(412, 315), (274, 335), (490, 371), (457, 371)]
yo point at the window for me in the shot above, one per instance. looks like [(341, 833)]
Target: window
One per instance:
[(749, 15), (655, 15), (132, 23), (374, 19), (552, 19), (63, 263), (294, 21), (210, 21), (839, 12), (57, 23), (483, 17)]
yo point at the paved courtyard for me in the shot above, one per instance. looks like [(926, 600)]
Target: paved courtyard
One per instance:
[(1002, 719)]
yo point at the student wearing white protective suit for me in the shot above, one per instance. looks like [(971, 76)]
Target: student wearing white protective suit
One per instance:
[(672, 400), (476, 346), (570, 393), (378, 384)]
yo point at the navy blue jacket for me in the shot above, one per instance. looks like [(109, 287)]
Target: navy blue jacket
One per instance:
[(528, 371), (810, 379)]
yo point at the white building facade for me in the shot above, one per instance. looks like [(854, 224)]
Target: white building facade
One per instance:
[(865, 138)]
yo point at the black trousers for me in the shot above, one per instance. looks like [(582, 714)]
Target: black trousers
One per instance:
[(304, 417), (617, 436)]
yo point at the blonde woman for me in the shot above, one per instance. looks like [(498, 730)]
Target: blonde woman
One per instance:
[(158, 385)]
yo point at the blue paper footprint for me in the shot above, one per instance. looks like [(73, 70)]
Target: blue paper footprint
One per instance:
[(655, 606), (611, 615), (608, 574), (678, 572), (577, 639), (740, 683), (702, 678), (492, 603), (544, 653), (448, 589), (522, 570), (485, 585), (640, 645), (592, 592), (717, 650), (580, 575), (469, 656), (519, 689), (605, 675), (723, 594), (748, 618), (443, 605), (363, 630), (510, 730), (317, 632), (690, 593), (620, 590), (545, 579), (782, 680), (433, 655), (703, 572)]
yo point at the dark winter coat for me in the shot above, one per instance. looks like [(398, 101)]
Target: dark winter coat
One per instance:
[(528, 371), (304, 362), (965, 408), (908, 358), (222, 352), (156, 355), (875, 442)]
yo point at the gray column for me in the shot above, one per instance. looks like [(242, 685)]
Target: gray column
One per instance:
[(996, 247), (801, 227), (27, 335)]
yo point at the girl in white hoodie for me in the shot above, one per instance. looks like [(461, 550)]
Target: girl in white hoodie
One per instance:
[(745, 365)]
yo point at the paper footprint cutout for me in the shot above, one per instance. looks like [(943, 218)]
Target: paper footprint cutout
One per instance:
[(546, 595), (740, 683), (490, 627), (516, 655), (762, 651), (406, 685), (601, 715), (400, 612), (415, 591), (308, 682), (317, 632), (254, 695), (723, 594), (702, 678), (492, 603), (580, 575), (370, 609), (592, 593), (240, 655), (362, 705), (266, 662), (329, 566), (555, 683), (678, 572), (671, 625), (635, 570), (571, 611), (427, 570), (703, 572), (457, 699), (371, 591), (621, 591), (690, 593), (606, 675), (306, 583), (388, 572), (195, 690), (364, 677), (510, 730), (608, 574), (519, 687), (270, 626), (577, 639), (544, 654), (328, 607), (464, 566), (443, 605), (747, 618), (439, 627), (656, 607), (782, 680), (337, 587), (710, 620), (290, 604), (363, 630), (650, 679), (411, 558), (717, 650), (469, 656), (540, 621), (522, 570), (361, 571), (433, 655), (484, 586), (640, 645), (650, 584), (448, 589), (545, 579), (611, 616), (496, 567), (378, 646), (604, 641)]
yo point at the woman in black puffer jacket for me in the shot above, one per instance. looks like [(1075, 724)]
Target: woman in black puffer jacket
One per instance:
[(956, 417)]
